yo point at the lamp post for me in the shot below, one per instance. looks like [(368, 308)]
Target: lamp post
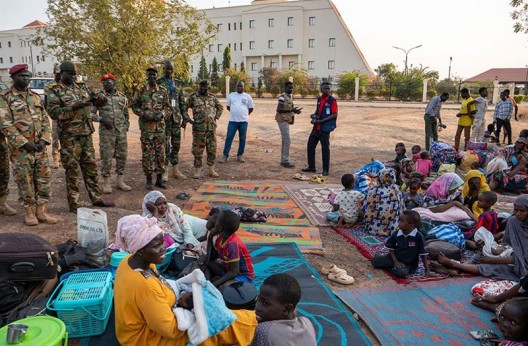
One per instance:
[(30, 52), (406, 54), (449, 73)]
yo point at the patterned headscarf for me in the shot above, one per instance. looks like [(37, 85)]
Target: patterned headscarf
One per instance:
[(134, 232)]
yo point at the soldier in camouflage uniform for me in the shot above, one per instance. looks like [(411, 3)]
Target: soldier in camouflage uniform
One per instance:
[(174, 120), (55, 147), (4, 178), (151, 105), (70, 106), (206, 111), (113, 133), (26, 126)]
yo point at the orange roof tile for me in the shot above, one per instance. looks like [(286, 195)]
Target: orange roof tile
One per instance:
[(35, 24)]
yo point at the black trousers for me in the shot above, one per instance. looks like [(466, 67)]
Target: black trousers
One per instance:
[(313, 140), (507, 129)]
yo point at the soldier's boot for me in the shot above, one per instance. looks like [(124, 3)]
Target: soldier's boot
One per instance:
[(56, 160), (197, 172), (31, 219), (43, 216), (148, 185), (177, 174), (5, 208), (121, 184), (212, 172), (159, 181), (107, 188), (165, 176)]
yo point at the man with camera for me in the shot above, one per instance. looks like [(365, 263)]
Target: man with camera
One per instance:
[(71, 106), (432, 118), (151, 104)]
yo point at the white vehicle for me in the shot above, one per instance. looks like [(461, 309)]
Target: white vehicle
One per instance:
[(37, 85)]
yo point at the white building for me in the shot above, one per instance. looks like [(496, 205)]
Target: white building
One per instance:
[(16, 48), (309, 34)]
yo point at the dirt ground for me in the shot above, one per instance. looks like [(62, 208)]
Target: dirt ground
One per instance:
[(365, 131)]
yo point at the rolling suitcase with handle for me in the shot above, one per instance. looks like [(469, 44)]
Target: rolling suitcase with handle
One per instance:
[(27, 257)]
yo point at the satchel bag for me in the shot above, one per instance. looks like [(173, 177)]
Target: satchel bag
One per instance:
[(181, 259)]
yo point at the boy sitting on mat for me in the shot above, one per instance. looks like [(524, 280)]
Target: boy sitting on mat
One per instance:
[(234, 261), (276, 314), (347, 204), (405, 248)]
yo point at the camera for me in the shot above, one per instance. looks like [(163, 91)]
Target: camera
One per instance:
[(313, 118), (442, 126)]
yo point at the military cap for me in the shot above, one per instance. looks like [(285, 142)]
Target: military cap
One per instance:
[(107, 76), (18, 68), (152, 68), (68, 66), (204, 83)]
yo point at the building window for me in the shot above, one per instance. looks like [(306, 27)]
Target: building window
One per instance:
[(234, 46), (331, 64), (210, 67), (311, 21), (240, 25), (311, 43), (290, 43), (192, 69), (234, 26), (43, 58), (290, 21), (235, 66), (0, 44), (220, 47), (271, 22), (273, 64), (253, 66), (219, 26), (252, 24), (211, 47), (11, 59), (310, 65), (291, 64), (271, 43), (240, 45), (9, 44), (228, 26), (38, 59), (331, 42), (229, 44), (1, 60), (251, 44)]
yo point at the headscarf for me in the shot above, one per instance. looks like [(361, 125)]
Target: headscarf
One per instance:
[(440, 188), (134, 232), (387, 177), (475, 174), (169, 218), (516, 235), (150, 197)]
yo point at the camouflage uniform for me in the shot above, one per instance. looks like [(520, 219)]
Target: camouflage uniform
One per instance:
[(55, 127), (113, 143), (4, 166), (75, 135), (23, 119), (173, 124), (206, 110), (146, 102)]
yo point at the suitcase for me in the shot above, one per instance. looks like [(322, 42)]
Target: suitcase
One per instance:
[(27, 257)]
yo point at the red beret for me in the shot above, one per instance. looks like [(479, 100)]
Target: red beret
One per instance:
[(107, 76), (17, 68)]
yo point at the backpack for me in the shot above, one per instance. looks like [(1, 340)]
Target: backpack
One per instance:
[(11, 295)]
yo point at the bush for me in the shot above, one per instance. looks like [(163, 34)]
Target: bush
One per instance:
[(213, 89), (342, 93), (518, 98), (275, 90), (431, 93), (188, 90)]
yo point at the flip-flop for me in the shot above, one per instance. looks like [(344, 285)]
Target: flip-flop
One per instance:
[(331, 268), (300, 176), (183, 196), (341, 278), (318, 179)]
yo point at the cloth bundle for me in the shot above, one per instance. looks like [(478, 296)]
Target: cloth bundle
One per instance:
[(440, 153), (367, 176), (490, 243), (449, 233), (209, 316)]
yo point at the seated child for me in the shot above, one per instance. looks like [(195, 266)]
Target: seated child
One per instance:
[(424, 164), (407, 168), (406, 247), (416, 149), (347, 204), (476, 166), (234, 262), (400, 152), (413, 198), (513, 322), (489, 134), (487, 219), (278, 324)]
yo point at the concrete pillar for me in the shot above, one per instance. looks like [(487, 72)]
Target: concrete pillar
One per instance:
[(280, 61), (262, 61), (290, 79), (495, 96), (228, 79), (424, 92), (299, 59), (356, 91)]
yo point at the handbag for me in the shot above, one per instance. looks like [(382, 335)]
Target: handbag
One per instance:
[(181, 259)]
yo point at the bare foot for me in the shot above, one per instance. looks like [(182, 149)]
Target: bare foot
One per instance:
[(484, 305), (443, 260), (436, 267)]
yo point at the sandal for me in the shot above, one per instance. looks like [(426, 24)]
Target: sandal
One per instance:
[(318, 179), (341, 278), (331, 268), (183, 196), (300, 176)]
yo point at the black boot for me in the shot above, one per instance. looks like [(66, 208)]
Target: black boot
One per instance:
[(159, 181), (149, 183)]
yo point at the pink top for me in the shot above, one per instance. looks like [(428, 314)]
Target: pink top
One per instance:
[(424, 166)]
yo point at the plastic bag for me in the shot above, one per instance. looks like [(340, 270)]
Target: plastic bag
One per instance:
[(92, 234)]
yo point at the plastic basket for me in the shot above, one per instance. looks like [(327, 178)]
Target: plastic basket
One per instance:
[(168, 258), (83, 302)]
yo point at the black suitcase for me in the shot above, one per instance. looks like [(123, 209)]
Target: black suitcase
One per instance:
[(27, 257)]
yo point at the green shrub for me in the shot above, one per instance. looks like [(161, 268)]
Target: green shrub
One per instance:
[(431, 93), (275, 90), (518, 98)]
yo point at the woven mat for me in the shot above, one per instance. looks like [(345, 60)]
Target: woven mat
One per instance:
[(312, 199)]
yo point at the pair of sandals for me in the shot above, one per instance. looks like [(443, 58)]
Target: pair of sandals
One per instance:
[(318, 179), (336, 274)]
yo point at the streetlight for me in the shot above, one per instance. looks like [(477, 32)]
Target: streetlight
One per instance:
[(449, 73), (406, 54)]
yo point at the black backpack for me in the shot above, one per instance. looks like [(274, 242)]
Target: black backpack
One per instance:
[(11, 295)]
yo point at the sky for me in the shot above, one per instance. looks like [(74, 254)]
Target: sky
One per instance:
[(477, 34)]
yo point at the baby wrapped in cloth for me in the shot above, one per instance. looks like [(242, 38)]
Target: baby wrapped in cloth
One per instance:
[(491, 248)]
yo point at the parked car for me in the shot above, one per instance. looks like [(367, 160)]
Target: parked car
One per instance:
[(37, 84)]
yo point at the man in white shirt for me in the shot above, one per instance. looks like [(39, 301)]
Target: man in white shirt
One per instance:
[(479, 121), (240, 105)]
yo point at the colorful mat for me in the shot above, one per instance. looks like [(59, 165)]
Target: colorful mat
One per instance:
[(334, 324), (368, 245), (431, 313), (312, 199), (285, 223)]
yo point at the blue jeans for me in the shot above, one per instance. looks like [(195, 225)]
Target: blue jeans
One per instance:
[(232, 128)]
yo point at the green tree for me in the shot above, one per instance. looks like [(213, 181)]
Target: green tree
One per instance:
[(303, 84), (520, 16), (124, 36), (203, 72), (347, 83), (235, 77), (226, 63), (214, 72), (269, 75)]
